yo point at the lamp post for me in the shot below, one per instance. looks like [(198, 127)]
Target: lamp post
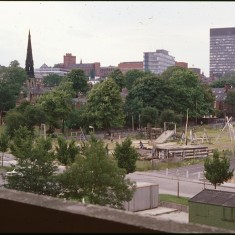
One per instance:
[(178, 183), (204, 179)]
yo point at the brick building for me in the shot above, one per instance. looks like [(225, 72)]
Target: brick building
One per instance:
[(126, 66)]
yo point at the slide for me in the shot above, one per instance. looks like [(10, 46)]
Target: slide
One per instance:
[(164, 136)]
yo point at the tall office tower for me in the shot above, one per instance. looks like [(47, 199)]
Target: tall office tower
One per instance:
[(157, 62), (222, 51)]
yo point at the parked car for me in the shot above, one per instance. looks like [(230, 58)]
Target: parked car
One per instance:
[(13, 172)]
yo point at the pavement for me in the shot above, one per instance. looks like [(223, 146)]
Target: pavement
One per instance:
[(164, 213)]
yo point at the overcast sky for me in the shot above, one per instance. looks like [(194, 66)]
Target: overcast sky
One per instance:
[(110, 32)]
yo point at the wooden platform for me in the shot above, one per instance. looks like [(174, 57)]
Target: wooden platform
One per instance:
[(182, 151)]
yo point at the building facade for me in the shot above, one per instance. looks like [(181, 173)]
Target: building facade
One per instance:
[(222, 51), (127, 66), (157, 62)]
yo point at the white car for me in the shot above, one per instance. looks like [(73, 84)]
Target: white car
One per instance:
[(13, 172)]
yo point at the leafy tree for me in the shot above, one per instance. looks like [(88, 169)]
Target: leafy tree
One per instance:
[(132, 76), (167, 74), (118, 77), (52, 80), (57, 104), (3, 144), (186, 91), (11, 81), (133, 108), (153, 91), (25, 114), (66, 151), (149, 115), (126, 155), (36, 168), (96, 178), (228, 78), (14, 63), (217, 169), (14, 120), (170, 116), (104, 108), (230, 98), (79, 80)]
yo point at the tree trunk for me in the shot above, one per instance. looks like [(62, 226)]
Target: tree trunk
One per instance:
[(2, 158), (1, 117)]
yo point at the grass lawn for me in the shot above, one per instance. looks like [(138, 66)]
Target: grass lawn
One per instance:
[(174, 199)]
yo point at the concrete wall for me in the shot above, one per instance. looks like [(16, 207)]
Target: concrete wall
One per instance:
[(25, 212), (145, 197)]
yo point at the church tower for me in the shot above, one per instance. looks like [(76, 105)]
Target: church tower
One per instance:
[(29, 60)]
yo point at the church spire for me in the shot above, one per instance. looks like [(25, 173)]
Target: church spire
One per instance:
[(29, 59)]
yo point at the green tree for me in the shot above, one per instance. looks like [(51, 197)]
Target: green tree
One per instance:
[(170, 116), (36, 167), (57, 104), (13, 121), (11, 81), (79, 80), (25, 114), (149, 115), (104, 108), (66, 151), (126, 155), (217, 169), (230, 98), (187, 91), (153, 91), (118, 77), (96, 178), (14, 63), (132, 76), (3, 144), (52, 80)]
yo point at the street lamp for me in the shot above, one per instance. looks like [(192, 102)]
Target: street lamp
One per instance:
[(178, 183)]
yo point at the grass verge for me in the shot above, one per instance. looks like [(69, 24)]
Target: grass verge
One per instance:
[(174, 199)]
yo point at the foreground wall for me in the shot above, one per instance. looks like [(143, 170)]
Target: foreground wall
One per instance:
[(26, 212)]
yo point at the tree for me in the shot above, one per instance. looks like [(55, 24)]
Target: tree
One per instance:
[(25, 114), (3, 144), (96, 178), (126, 155), (57, 104), (36, 167), (14, 63), (11, 81), (66, 151), (118, 77), (170, 116), (217, 169), (153, 91), (230, 99), (104, 108), (149, 115), (187, 91), (52, 80), (79, 80), (132, 76)]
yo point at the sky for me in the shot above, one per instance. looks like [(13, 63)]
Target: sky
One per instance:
[(111, 32)]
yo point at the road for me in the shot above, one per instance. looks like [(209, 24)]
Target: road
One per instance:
[(190, 177), (191, 180)]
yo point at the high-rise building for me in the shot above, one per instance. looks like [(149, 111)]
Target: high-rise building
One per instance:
[(222, 51), (157, 62)]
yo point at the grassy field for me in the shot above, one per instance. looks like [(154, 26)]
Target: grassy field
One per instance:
[(174, 199)]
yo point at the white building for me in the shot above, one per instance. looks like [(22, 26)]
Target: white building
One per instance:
[(157, 62)]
